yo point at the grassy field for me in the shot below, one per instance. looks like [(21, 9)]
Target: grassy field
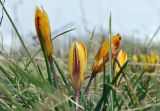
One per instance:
[(29, 83)]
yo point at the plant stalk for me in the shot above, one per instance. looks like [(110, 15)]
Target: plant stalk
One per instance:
[(86, 91), (53, 73), (77, 99)]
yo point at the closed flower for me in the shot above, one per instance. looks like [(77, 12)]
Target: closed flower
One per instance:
[(77, 64), (103, 53), (102, 56), (43, 29)]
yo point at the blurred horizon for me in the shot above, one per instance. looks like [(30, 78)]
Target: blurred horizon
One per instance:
[(133, 18)]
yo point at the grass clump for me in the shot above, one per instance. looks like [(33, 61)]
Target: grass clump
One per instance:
[(119, 83)]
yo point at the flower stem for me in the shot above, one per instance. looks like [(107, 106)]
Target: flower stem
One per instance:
[(88, 86), (53, 73), (77, 99)]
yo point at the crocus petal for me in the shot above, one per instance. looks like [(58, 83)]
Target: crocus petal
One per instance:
[(42, 26), (103, 53), (77, 64), (153, 59), (121, 58)]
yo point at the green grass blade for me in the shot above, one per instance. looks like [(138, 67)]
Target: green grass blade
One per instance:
[(104, 95), (31, 59), (7, 75), (17, 32), (110, 58), (108, 88), (139, 78), (60, 72), (27, 77), (131, 89), (4, 89), (139, 86), (44, 50), (119, 73), (116, 100), (40, 72), (90, 42), (63, 33), (130, 96), (144, 95)]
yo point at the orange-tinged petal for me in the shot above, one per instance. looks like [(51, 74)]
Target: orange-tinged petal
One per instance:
[(121, 58), (103, 53), (42, 26), (77, 64)]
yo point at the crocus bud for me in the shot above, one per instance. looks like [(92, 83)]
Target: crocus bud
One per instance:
[(103, 53), (77, 64), (43, 29), (121, 59)]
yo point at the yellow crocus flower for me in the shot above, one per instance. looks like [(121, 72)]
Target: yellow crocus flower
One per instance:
[(42, 26), (148, 60), (77, 64), (103, 53), (102, 56), (144, 59), (121, 59), (134, 58), (153, 59)]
